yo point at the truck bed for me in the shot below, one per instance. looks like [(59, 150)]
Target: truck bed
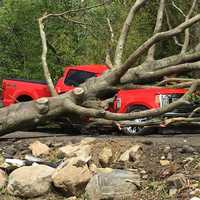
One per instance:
[(28, 81), (18, 90)]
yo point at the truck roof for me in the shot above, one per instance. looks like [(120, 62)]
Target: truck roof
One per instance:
[(95, 68)]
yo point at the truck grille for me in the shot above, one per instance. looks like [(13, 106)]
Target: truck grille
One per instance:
[(170, 98)]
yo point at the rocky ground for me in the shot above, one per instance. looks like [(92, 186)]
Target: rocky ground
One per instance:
[(77, 167)]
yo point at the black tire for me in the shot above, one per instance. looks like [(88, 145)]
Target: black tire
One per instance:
[(136, 130), (24, 98)]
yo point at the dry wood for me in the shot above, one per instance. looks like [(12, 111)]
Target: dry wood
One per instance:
[(44, 55), (125, 30), (187, 31), (157, 29)]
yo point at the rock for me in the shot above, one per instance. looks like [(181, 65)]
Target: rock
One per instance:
[(104, 170), (167, 149), (70, 151), (117, 185), (9, 152), (176, 181), (164, 162), (132, 154), (169, 156), (145, 176), (72, 179), (87, 140), (30, 181), (187, 149), (105, 156), (71, 198), (58, 144), (172, 192), (3, 179), (195, 198), (39, 148), (94, 169), (162, 158)]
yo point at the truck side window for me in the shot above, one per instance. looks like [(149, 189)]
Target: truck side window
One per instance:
[(76, 77)]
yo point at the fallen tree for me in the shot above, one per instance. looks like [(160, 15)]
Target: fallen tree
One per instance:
[(24, 115)]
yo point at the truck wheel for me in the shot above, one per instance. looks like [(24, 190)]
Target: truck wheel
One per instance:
[(24, 98), (135, 130)]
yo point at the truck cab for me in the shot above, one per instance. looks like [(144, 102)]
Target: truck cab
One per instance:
[(74, 76)]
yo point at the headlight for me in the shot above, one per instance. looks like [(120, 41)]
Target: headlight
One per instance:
[(165, 99)]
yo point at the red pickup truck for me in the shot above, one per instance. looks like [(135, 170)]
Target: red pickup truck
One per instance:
[(132, 100)]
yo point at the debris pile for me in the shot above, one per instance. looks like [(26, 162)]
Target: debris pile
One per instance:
[(99, 169)]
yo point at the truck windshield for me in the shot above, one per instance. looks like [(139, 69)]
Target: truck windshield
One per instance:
[(76, 77)]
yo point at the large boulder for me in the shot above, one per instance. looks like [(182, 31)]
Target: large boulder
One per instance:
[(30, 181), (3, 179), (73, 177), (115, 185)]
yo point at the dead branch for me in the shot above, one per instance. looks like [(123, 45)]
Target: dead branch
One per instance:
[(177, 69), (178, 9), (108, 58), (44, 55), (187, 31), (173, 80), (196, 110), (74, 10), (170, 27), (125, 30), (157, 29), (119, 72), (182, 120), (131, 75)]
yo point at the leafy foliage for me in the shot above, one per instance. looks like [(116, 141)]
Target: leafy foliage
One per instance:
[(69, 43)]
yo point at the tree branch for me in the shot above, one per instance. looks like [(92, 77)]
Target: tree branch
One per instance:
[(125, 30), (44, 55), (108, 58), (178, 9), (177, 69), (157, 29), (118, 72), (132, 76), (170, 27), (187, 31)]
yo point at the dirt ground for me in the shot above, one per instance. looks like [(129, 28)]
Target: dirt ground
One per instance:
[(184, 158)]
